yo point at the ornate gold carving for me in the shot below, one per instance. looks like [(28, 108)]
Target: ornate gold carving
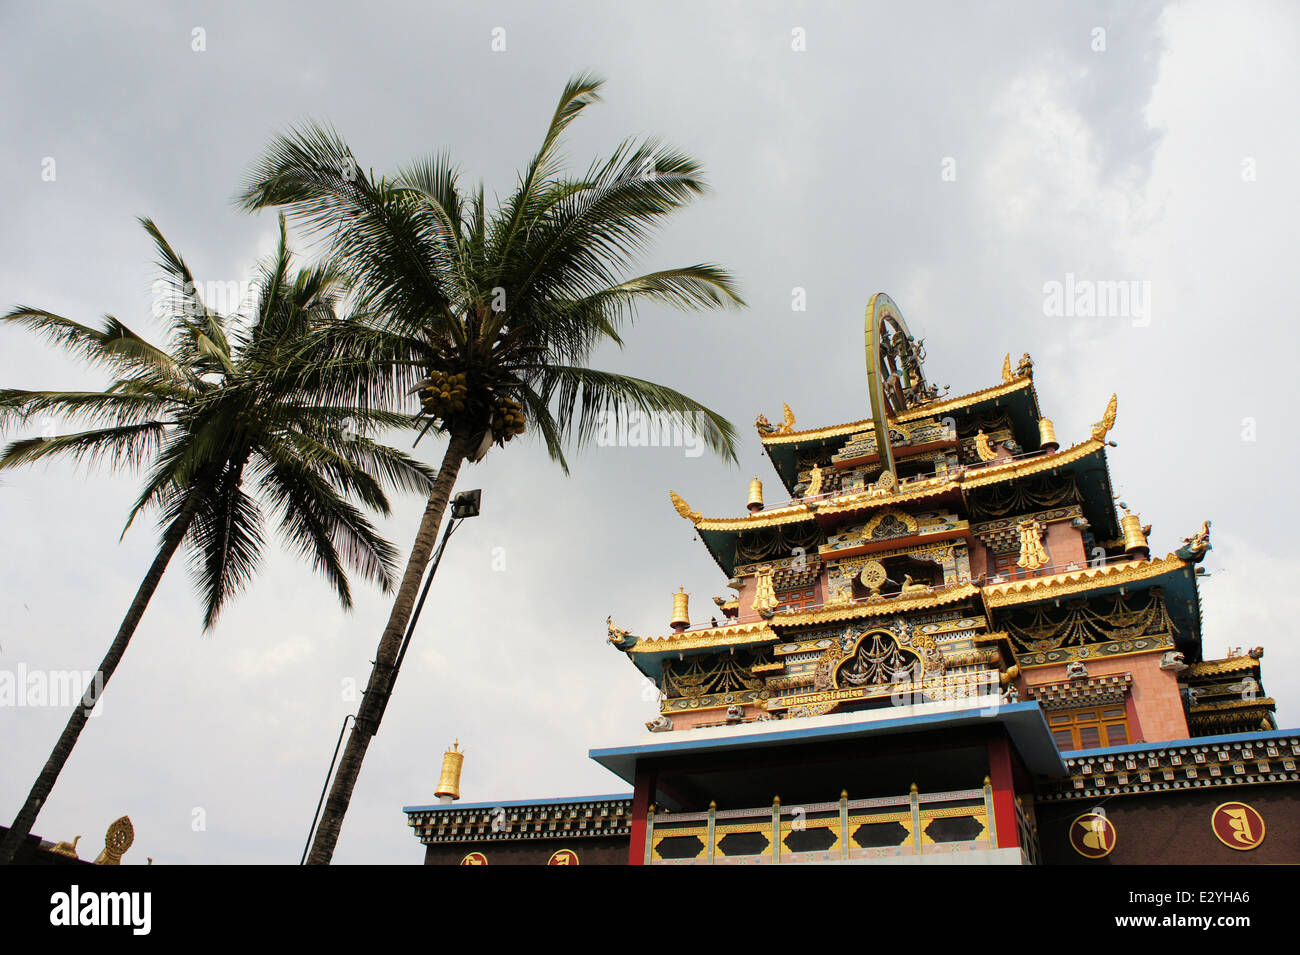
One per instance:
[(983, 448), (764, 594), (68, 848), (1102, 427), (683, 508), (1199, 542), (1125, 618), (1032, 554), (814, 482), (878, 663), (117, 840), (873, 575), (1025, 369), (1006, 368), (766, 428)]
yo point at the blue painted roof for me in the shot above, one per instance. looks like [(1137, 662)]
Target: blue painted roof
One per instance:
[(549, 801), (1024, 722)]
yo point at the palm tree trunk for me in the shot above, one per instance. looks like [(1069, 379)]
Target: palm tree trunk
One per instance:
[(26, 818), (372, 704)]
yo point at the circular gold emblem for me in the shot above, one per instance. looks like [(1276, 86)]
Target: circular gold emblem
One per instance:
[(873, 575), (1092, 835), (1238, 825), (474, 858), (563, 857)]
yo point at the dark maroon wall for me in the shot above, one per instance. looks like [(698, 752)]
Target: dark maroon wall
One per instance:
[(1174, 828)]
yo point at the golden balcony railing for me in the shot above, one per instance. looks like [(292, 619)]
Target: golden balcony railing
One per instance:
[(845, 830)]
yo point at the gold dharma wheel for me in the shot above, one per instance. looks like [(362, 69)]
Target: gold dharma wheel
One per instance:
[(873, 575)]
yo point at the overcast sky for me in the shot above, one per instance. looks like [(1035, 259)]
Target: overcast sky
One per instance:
[(959, 157)]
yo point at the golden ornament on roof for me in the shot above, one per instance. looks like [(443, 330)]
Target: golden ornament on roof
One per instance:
[(681, 613), (1135, 538), (117, 840), (983, 448), (1047, 435), (1006, 367), (788, 420), (683, 508), (449, 780), (1102, 427)]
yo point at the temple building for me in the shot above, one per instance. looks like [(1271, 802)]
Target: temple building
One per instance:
[(947, 645)]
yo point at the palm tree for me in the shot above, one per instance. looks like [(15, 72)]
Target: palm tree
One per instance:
[(229, 404), (491, 315)]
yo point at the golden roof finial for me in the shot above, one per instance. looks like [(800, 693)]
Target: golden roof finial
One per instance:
[(1102, 427), (117, 840), (449, 782), (681, 613), (1135, 538), (755, 502), (68, 848), (683, 508), (1047, 435), (1006, 367), (788, 421)]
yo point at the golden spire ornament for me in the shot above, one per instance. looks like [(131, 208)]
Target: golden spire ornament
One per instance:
[(449, 782), (681, 613)]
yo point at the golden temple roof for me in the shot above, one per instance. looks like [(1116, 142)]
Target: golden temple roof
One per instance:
[(1071, 582), (970, 477), (731, 634), (760, 631), (964, 401), (1216, 667), (915, 414)]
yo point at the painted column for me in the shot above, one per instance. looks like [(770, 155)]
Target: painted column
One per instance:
[(1001, 778), (642, 795)]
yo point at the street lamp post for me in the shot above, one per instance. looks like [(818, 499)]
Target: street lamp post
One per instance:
[(464, 505)]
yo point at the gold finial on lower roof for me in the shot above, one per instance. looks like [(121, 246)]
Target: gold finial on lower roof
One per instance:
[(449, 781)]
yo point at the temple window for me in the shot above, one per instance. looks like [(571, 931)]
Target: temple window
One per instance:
[(1090, 728)]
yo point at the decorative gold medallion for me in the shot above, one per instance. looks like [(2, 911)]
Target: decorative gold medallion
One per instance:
[(474, 858), (563, 857), (1092, 835), (873, 575), (1238, 825)]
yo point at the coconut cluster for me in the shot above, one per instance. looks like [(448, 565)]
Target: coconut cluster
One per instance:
[(444, 395), (507, 418)]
